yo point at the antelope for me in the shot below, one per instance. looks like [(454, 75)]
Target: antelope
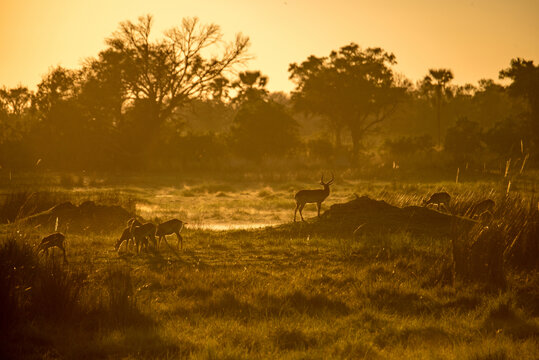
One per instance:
[(481, 207), (170, 227), (133, 222), (56, 239), (312, 196), (140, 232), (486, 217), (441, 198), (127, 234), (126, 237)]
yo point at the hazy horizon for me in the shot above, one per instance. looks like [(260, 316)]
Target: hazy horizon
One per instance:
[(475, 39)]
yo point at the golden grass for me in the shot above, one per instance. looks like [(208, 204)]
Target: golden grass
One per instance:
[(252, 294)]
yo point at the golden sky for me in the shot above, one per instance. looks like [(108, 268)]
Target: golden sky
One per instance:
[(474, 38)]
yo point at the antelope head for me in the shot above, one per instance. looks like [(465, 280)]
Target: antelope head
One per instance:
[(326, 184)]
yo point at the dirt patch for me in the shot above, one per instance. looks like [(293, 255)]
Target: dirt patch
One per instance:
[(88, 216), (377, 216)]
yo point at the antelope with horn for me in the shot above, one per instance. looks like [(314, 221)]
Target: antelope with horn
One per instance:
[(312, 196)]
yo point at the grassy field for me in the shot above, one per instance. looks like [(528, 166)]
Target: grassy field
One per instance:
[(238, 291)]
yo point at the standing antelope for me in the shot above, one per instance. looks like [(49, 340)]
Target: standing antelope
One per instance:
[(312, 196), (57, 239), (441, 198), (170, 227), (141, 232)]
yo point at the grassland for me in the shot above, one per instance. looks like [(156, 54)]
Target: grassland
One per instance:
[(255, 293)]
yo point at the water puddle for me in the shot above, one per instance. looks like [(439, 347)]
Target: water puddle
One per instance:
[(225, 227)]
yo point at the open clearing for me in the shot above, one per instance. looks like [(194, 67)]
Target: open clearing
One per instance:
[(261, 293)]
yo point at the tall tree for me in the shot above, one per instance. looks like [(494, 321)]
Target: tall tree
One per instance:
[(250, 86), (103, 91), (354, 89), (436, 82), (261, 128), (525, 77), (57, 86), (16, 100), (164, 74), (15, 103)]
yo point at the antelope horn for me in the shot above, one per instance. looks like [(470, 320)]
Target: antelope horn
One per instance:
[(332, 178)]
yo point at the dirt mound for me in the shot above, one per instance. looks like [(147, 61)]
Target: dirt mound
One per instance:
[(88, 216), (377, 216)]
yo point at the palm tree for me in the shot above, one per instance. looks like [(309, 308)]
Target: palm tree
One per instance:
[(437, 80)]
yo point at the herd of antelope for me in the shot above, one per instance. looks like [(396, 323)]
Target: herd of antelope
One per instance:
[(136, 232), (141, 234)]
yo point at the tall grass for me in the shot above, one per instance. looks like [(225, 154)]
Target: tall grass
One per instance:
[(270, 294), (40, 291)]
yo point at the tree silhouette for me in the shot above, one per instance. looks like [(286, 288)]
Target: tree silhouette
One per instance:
[(16, 100), (103, 91), (262, 127), (250, 86), (57, 86), (168, 72), (464, 141), (525, 77), (354, 89), (436, 82)]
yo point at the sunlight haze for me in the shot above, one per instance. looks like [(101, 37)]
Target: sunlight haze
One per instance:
[(475, 39)]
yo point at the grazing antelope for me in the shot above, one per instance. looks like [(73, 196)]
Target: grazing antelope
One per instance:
[(312, 196), (127, 234), (170, 227), (57, 239), (481, 207), (133, 221), (126, 237), (441, 198), (141, 232)]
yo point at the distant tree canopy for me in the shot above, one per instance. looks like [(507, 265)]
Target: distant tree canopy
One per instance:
[(157, 77), (163, 103), (250, 86), (262, 127), (525, 77), (464, 141), (354, 89), (15, 101)]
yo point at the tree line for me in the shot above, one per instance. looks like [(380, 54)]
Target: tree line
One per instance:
[(179, 102)]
